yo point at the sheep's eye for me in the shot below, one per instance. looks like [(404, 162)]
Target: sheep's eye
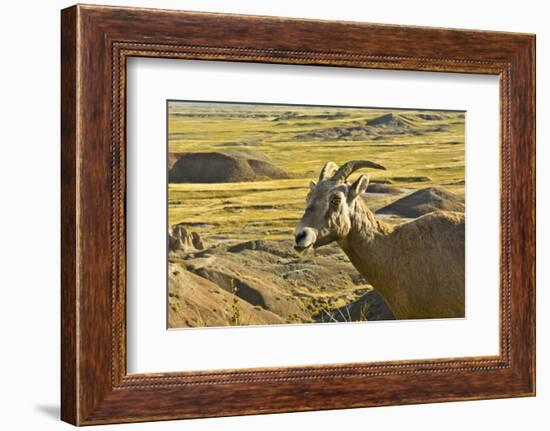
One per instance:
[(335, 200)]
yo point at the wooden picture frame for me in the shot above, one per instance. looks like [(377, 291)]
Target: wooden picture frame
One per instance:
[(96, 41)]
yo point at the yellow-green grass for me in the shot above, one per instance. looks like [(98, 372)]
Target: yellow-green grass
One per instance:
[(271, 208)]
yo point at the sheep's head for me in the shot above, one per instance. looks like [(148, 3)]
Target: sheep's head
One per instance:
[(329, 204)]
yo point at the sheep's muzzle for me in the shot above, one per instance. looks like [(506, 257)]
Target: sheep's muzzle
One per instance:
[(304, 239)]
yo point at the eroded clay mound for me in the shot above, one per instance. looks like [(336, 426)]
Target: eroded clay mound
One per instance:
[(423, 202), (222, 167), (390, 120), (195, 301)]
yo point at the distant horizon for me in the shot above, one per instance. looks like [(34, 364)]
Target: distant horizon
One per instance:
[(305, 105)]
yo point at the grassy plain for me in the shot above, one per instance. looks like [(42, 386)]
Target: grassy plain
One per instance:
[(422, 144)]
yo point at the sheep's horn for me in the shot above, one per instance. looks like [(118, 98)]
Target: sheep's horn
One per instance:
[(328, 171), (350, 167)]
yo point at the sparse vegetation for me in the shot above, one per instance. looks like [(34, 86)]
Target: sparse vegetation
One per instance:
[(235, 311)]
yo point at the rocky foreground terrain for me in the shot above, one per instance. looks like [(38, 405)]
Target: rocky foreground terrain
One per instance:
[(266, 282)]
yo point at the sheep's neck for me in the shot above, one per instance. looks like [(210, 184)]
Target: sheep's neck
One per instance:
[(365, 225), (363, 247)]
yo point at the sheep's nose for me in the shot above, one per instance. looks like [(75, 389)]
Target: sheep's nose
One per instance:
[(304, 238), (299, 237)]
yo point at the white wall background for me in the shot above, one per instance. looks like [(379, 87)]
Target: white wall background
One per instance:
[(29, 220)]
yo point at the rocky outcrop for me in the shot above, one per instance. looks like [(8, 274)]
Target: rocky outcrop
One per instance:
[(180, 239)]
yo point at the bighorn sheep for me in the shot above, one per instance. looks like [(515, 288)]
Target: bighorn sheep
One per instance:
[(417, 266)]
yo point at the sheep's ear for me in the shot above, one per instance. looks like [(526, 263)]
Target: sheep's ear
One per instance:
[(358, 187), (312, 185)]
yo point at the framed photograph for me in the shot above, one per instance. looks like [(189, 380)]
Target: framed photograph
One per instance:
[(265, 215)]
